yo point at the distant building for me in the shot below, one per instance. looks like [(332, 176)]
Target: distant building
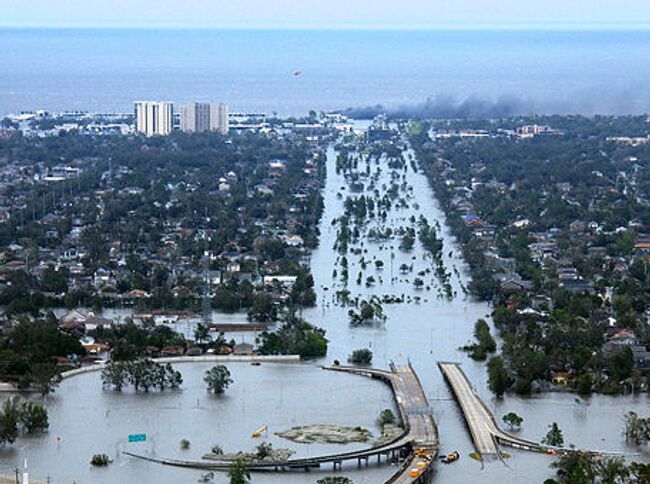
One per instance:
[(200, 117), (219, 118), (154, 118), (195, 117)]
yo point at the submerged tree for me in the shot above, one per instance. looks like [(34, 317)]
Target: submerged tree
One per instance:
[(554, 436), (143, 374), (369, 311), (18, 417), (217, 378), (361, 357), (513, 420), (238, 472), (335, 480), (33, 417), (497, 376), (9, 420), (637, 429)]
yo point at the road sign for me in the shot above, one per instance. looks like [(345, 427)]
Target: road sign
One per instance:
[(137, 437)]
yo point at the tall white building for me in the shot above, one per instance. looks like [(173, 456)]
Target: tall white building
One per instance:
[(200, 117), (195, 117), (219, 117), (154, 118)]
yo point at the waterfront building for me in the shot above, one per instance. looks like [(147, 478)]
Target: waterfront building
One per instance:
[(195, 117), (199, 117), (219, 117), (154, 118)]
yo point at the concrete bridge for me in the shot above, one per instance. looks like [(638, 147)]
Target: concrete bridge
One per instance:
[(416, 447), (481, 423)]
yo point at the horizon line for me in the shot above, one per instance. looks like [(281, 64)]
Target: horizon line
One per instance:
[(448, 26)]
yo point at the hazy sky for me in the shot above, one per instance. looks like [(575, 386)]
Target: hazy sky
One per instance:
[(323, 13)]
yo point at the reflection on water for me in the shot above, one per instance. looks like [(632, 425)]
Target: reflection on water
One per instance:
[(90, 420)]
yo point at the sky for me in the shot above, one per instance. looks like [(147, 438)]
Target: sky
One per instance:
[(326, 14)]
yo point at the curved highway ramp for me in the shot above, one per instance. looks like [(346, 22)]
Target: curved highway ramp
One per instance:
[(417, 446)]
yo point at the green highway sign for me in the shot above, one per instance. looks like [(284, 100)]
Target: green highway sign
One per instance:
[(137, 437)]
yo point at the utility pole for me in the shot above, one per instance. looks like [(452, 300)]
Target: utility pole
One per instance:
[(207, 304), (110, 172)]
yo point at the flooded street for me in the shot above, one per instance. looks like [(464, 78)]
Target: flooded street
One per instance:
[(90, 420), (434, 330)]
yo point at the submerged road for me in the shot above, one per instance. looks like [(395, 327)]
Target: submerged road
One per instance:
[(417, 445)]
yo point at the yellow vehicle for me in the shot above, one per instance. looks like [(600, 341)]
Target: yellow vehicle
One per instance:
[(260, 431), (449, 458)]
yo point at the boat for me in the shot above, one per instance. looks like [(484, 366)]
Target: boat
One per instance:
[(449, 458)]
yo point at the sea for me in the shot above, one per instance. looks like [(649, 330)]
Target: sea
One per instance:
[(290, 72)]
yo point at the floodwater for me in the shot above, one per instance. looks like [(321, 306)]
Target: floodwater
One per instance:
[(90, 420)]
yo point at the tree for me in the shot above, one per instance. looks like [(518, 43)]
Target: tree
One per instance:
[(263, 450), (100, 460), (637, 429), (407, 242), (238, 472), (369, 311), (497, 376), (201, 333), (485, 342), (33, 417), (361, 356), (142, 373), (263, 308), (386, 416), (46, 376), (554, 436), (639, 472), (613, 471), (575, 468), (585, 383), (173, 378), (217, 378), (9, 419), (621, 364), (302, 291), (513, 420), (115, 375), (335, 480), (295, 337)]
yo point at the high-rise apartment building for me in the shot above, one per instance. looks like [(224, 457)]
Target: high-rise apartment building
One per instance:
[(154, 118), (199, 117), (195, 117), (219, 117)]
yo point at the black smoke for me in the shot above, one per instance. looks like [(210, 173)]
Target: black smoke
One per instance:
[(588, 101), (447, 107)]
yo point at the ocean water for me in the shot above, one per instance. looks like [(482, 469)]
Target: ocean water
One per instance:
[(105, 70)]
